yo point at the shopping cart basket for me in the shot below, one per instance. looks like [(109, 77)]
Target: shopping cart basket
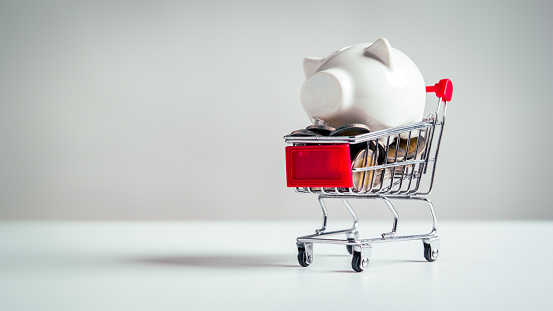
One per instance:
[(392, 164)]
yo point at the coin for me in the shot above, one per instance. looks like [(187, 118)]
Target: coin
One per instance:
[(303, 132), (378, 176), (416, 146), (359, 129), (350, 130), (380, 151), (404, 147), (320, 129), (399, 170), (364, 181), (395, 154)]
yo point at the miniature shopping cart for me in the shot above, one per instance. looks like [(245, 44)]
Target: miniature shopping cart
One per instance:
[(392, 164)]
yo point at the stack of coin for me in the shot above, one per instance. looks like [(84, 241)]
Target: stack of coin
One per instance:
[(405, 149), (395, 153), (364, 181), (414, 146), (399, 170)]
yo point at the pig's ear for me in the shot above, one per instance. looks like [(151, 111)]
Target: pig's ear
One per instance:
[(381, 51), (309, 64)]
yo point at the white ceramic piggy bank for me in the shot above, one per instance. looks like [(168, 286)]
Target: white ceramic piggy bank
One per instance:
[(372, 84)]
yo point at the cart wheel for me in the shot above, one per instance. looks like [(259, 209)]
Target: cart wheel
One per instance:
[(358, 263), (429, 253), (304, 258), (350, 247)]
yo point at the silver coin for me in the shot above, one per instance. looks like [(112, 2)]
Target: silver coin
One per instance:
[(399, 170), (378, 176), (324, 130), (350, 130), (303, 132), (364, 181)]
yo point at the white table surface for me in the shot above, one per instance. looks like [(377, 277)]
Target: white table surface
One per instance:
[(252, 266)]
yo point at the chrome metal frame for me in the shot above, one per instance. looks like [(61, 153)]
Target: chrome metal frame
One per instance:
[(410, 179)]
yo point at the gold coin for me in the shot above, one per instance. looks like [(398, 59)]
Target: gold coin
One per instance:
[(406, 146), (392, 156), (364, 181), (416, 146)]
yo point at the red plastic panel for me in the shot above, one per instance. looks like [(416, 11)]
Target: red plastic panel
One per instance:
[(318, 166)]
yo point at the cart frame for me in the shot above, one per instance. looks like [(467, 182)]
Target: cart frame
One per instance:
[(407, 179)]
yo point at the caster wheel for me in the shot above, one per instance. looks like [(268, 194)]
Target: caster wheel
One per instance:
[(304, 258), (350, 247), (429, 253), (359, 263)]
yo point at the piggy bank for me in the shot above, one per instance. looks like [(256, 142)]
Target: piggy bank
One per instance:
[(372, 84)]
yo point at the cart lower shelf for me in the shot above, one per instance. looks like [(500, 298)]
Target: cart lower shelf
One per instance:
[(361, 248)]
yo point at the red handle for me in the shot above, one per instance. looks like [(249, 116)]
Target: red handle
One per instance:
[(443, 89)]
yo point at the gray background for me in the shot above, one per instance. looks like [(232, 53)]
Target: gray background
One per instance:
[(176, 109)]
